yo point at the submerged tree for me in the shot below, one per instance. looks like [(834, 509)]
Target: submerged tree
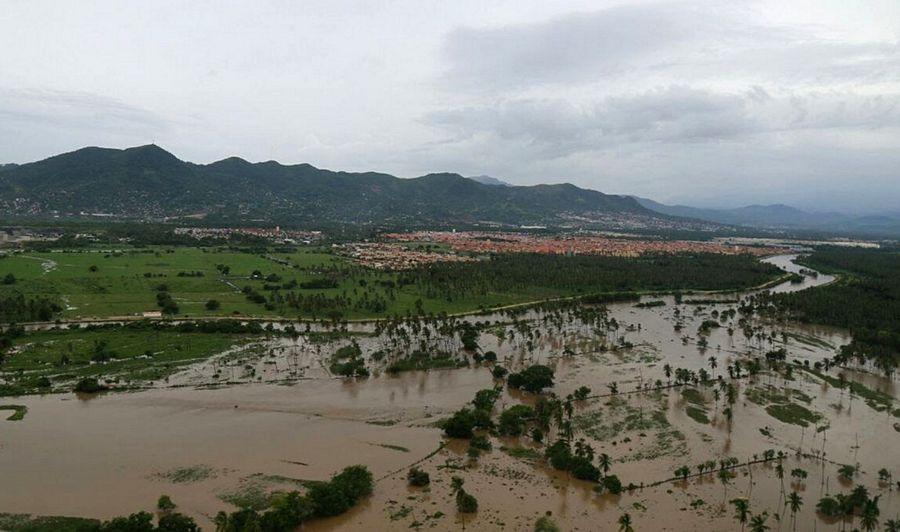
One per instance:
[(625, 523)]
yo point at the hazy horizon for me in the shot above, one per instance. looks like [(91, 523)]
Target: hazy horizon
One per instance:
[(707, 104)]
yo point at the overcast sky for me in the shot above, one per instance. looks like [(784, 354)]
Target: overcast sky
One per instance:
[(703, 103)]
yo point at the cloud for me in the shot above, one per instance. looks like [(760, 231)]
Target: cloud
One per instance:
[(675, 114), (711, 40), (736, 99), (675, 101), (75, 109), (35, 121)]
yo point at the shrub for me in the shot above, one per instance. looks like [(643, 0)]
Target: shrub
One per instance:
[(465, 502), (545, 524), (165, 503), (512, 420), (583, 469), (465, 421), (532, 379), (612, 484), (418, 477), (485, 399), (559, 455), (582, 393), (89, 385), (499, 372), (176, 522), (342, 492), (480, 443), (138, 522)]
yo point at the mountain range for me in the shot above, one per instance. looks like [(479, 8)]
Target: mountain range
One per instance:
[(781, 217), (148, 182), (488, 180)]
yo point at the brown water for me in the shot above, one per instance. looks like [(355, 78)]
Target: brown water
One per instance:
[(288, 418)]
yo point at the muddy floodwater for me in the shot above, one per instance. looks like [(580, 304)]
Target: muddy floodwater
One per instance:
[(265, 417)]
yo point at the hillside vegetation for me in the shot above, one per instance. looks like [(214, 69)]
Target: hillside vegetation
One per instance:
[(149, 181)]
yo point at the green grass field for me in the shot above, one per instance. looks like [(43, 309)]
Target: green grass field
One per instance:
[(119, 286), (99, 283), (103, 284)]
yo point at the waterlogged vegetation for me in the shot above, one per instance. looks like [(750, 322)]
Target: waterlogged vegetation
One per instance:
[(866, 301), (715, 412), (122, 356), (277, 512), (18, 412)]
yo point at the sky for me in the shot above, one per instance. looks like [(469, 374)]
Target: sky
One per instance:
[(705, 103)]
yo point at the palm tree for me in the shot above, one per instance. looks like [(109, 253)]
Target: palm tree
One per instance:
[(625, 523), (892, 525), (604, 461), (869, 517), (779, 471), (795, 502), (221, 522), (724, 478), (741, 511), (758, 522)]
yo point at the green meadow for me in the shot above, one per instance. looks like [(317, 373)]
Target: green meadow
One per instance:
[(103, 283), (98, 283)]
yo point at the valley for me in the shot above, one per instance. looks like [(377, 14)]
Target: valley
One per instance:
[(649, 419)]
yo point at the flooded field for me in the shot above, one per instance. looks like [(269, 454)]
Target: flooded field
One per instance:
[(267, 416)]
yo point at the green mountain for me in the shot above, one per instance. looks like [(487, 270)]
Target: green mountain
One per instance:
[(149, 182), (784, 217)]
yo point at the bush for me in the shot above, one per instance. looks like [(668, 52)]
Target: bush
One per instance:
[(485, 399), (481, 443), (582, 393), (213, 304), (461, 424), (138, 522), (165, 503), (466, 503), (342, 492), (512, 420), (829, 506), (532, 379), (499, 372), (177, 523), (418, 478), (89, 385), (288, 511), (545, 524), (328, 500), (583, 469), (559, 455), (612, 484), (356, 481)]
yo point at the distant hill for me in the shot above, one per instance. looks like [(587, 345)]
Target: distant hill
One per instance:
[(780, 216), (148, 181), (488, 180)]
